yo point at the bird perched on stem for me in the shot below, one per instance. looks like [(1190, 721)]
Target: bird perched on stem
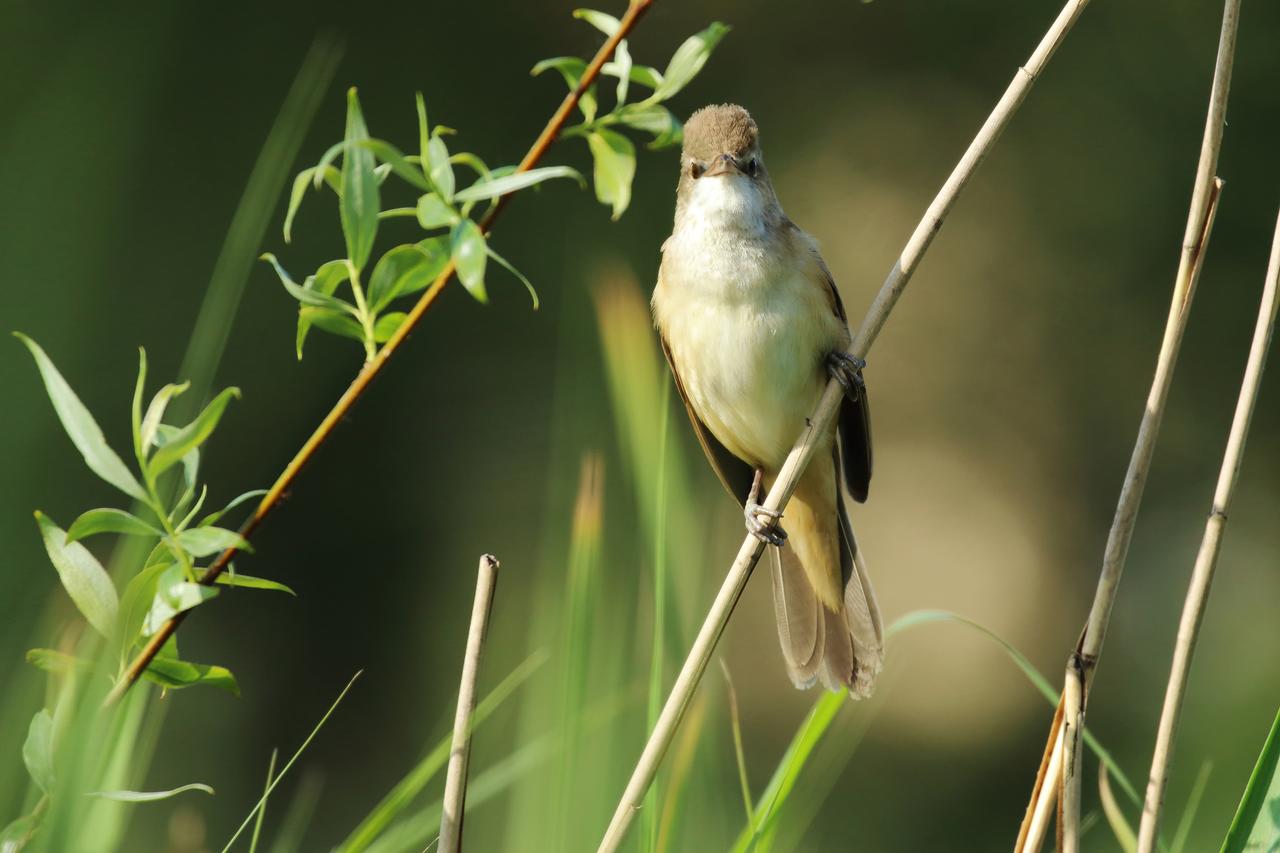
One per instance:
[(752, 327)]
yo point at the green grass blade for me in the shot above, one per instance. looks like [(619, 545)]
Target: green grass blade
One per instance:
[(1256, 825), (1193, 805), (298, 817), (738, 752), (262, 812)]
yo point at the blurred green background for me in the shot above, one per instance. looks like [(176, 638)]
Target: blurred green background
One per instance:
[(1007, 390)]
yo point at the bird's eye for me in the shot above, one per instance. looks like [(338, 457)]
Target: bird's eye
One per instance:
[(752, 166), (696, 169)]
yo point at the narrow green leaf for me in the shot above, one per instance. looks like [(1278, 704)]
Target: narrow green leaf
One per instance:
[(18, 832), (262, 812), (1187, 820), (167, 434), (155, 412), (108, 520), (231, 504), (59, 663), (205, 541), (150, 796), (82, 576), (174, 594), (325, 282), (333, 322), (424, 136), (505, 264), (175, 674), (655, 119), (1256, 825), (192, 435), (135, 602), (615, 167), (404, 268), (688, 60), (440, 169), (438, 249), (603, 22), (306, 295), (313, 175), (571, 68), (81, 427), (469, 257), (135, 412), (622, 58), (400, 165), (645, 75), (37, 750), (495, 187), (434, 213), (359, 207), (250, 582), (388, 325), (471, 161)]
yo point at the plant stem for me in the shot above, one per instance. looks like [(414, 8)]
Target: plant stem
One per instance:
[(455, 786), (1084, 658), (635, 11), (1207, 558), (818, 423)]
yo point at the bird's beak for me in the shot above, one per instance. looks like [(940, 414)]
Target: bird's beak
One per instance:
[(722, 165)]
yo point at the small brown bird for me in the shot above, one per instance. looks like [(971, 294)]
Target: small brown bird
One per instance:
[(752, 326)]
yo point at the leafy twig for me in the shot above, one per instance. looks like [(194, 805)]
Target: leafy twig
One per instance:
[(818, 423)]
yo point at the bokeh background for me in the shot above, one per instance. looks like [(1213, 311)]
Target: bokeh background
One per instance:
[(1007, 390)]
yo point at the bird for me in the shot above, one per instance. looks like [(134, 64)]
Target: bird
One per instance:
[(753, 327)]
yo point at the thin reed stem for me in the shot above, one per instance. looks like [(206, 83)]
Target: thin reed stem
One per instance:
[(750, 551), (1084, 658), (374, 366), (1207, 558), (455, 785)]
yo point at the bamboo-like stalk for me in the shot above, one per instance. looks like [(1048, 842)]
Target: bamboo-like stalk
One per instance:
[(1207, 557), (1084, 658), (750, 551), (374, 366), (455, 785)]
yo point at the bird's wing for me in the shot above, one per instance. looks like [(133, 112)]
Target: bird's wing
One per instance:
[(735, 474), (855, 415)]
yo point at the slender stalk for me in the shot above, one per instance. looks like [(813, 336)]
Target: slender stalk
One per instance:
[(749, 553), (374, 366), (1207, 558), (455, 786), (1200, 216), (1031, 833)]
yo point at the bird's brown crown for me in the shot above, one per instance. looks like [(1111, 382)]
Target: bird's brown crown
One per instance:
[(719, 129)]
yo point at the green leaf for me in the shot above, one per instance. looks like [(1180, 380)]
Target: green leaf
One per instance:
[(108, 520), (136, 600), (434, 213), (18, 832), (359, 207), (59, 663), (175, 674), (438, 249), (205, 541), (603, 22), (37, 751), (81, 427), (333, 322), (307, 295), (440, 170), (251, 582), (174, 594), (571, 68), (622, 58), (645, 75), (82, 576), (1256, 825), (308, 176), (166, 434), (615, 167), (231, 504), (192, 435), (391, 156), (495, 187), (655, 119), (505, 264), (688, 60), (424, 136), (471, 161), (469, 257), (150, 796), (325, 282), (388, 325), (155, 412), (135, 412), (403, 269)]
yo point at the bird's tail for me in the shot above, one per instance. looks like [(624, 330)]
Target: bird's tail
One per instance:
[(829, 624)]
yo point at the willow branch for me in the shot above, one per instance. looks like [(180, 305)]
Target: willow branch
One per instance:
[(1207, 558), (373, 367), (1200, 216), (455, 786), (820, 421)]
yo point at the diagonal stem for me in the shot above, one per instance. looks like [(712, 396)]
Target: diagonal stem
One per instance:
[(1207, 558), (823, 416), (374, 366)]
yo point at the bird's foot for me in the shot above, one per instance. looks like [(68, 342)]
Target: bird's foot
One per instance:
[(847, 370), (768, 531)]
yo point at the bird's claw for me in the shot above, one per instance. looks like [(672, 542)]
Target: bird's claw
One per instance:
[(847, 370), (767, 532)]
